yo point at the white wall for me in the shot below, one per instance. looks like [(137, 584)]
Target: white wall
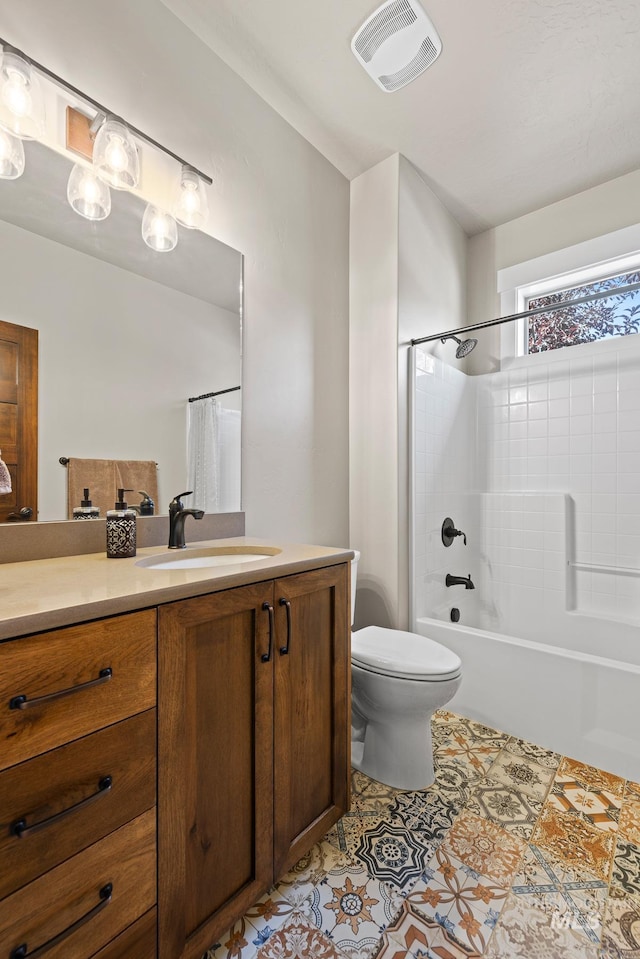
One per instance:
[(373, 391), (408, 263), (274, 198)]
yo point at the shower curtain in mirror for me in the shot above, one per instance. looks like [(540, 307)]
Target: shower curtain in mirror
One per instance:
[(214, 456)]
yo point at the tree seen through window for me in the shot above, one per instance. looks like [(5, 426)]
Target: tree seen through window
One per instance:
[(617, 315)]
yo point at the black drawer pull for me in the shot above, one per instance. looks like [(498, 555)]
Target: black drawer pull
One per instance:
[(20, 952), (21, 702), (269, 609), (284, 650), (20, 828)]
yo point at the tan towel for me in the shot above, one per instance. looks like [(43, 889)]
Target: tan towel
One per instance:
[(103, 478)]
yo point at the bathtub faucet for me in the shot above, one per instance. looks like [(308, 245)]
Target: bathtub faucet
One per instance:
[(459, 581)]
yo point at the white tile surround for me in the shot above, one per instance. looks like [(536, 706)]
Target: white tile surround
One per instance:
[(540, 465)]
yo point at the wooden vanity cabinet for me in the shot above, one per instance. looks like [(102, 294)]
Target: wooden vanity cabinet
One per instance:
[(253, 745), (248, 746)]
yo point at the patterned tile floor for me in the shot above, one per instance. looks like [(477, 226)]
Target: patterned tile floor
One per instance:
[(515, 852)]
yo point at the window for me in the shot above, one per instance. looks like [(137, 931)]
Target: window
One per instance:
[(607, 262), (615, 315)]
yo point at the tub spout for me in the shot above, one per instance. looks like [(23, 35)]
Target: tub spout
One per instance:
[(459, 581)]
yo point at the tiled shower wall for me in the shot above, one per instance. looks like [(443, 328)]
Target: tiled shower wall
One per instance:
[(548, 477)]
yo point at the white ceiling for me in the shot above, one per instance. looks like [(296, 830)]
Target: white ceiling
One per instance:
[(530, 100)]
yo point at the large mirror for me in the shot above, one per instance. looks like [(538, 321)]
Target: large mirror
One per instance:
[(126, 335)]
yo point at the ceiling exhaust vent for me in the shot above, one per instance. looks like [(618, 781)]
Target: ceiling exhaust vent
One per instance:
[(396, 44)]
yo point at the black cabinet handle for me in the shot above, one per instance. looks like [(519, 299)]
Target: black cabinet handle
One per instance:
[(21, 829), (284, 650), (21, 702), (20, 952), (269, 608)]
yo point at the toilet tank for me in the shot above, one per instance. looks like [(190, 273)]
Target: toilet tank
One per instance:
[(354, 577)]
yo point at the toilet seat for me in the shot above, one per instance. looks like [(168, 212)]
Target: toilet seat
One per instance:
[(394, 652)]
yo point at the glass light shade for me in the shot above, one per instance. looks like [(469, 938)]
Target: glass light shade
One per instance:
[(115, 157), (87, 194), (190, 206), (21, 101), (159, 230), (11, 156)]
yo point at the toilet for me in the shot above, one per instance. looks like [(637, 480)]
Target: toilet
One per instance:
[(398, 680)]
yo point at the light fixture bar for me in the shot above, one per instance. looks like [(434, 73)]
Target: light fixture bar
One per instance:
[(101, 108)]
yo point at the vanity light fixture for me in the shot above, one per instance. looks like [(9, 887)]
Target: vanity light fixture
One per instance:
[(11, 156), (88, 194), (190, 203), (22, 110), (108, 144), (115, 155), (159, 229)]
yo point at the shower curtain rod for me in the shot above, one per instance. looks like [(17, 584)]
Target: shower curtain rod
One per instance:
[(205, 396), (604, 294)]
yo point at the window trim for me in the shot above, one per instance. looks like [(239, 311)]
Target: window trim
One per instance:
[(588, 261)]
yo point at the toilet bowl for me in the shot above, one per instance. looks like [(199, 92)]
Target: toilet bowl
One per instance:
[(398, 680)]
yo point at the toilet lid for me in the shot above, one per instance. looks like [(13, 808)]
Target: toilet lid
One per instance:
[(405, 655)]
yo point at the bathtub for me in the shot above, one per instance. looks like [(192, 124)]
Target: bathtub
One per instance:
[(576, 703)]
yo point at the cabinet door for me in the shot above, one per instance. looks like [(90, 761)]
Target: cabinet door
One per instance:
[(215, 790), (311, 721)]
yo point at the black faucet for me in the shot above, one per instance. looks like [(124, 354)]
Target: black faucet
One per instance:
[(459, 581), (177, 516)]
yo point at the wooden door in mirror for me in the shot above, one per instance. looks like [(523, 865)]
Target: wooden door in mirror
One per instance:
[(19, 420)]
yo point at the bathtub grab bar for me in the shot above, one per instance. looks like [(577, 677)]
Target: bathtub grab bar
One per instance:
[(619, 570)]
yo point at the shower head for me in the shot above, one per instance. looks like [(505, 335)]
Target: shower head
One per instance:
[(464, 346)]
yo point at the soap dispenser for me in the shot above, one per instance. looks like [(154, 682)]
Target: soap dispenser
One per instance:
[(147, 506), (121, 528), (86, 510)]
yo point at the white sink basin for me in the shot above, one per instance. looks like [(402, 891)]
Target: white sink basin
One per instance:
[(195, 558)]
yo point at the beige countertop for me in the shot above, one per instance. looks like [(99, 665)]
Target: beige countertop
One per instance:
[(46, 593)]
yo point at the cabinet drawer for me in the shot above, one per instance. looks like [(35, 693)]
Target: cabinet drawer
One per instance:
[(88, 900), (53, 806), (55, 687), (139, 941)]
